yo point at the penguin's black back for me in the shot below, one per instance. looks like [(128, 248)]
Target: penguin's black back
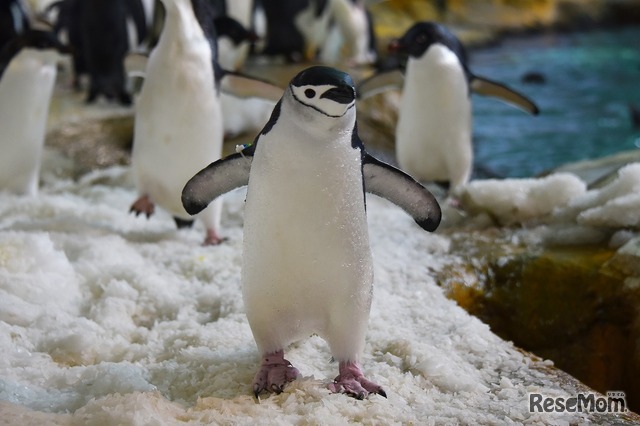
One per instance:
[(205, 14)]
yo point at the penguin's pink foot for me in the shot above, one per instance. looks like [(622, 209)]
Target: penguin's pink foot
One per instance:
[(143, 205), (274, 373), (454, 202), (212, 238), (352, 382)]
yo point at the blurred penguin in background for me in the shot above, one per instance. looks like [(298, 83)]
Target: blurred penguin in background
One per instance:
[(232, 21), (106, 43), (66, 26), (434, 129), (329, 30), (178, 117), (242, 12), (14, 20), (283, 37), (240, 115), (178, 123), (352, 37), (26, 85), (98, 31), (234, 40)]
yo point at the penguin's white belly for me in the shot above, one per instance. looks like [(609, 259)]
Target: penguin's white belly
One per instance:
[(25, 94), (175, 139), (433, 136), (307, 264)]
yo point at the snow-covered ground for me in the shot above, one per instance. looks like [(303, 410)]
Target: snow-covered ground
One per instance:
[(560, 209), (106, 318)]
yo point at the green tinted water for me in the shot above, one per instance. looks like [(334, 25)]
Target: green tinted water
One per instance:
[(591, 79)]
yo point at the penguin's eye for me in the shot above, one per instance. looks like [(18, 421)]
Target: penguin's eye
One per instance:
[(422, 39), (309, 93)]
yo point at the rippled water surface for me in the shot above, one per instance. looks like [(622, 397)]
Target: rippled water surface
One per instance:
[(591, 80)]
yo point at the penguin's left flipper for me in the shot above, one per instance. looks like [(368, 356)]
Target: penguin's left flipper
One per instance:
[(486, 87), (243, 86), (401, 189), (378, 83), (216, 179)]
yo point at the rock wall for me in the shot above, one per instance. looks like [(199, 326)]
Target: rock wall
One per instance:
[(479, 20)]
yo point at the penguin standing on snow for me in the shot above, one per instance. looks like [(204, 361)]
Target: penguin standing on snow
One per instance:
[(307, 265), (178, 118), (433, 134), (26, 86), (178, 124)]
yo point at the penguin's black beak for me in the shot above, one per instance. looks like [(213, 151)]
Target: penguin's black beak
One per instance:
[(396, 46), (252, 37), (340, 94)]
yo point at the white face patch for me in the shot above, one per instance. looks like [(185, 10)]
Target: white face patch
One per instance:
[(311, 96)]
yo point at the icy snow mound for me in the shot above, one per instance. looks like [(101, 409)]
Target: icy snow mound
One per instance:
[(512, 201), (615, 205), (559, 199)]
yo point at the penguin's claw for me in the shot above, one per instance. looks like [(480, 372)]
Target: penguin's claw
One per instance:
[(143, 205), (213, 239), (274, 373), (352, 382)]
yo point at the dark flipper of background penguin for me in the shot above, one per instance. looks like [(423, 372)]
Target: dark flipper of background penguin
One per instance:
[(486, 87)]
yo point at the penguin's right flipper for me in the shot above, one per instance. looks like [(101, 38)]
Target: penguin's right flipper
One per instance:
[(379, 83), (486, 87), (216, 179), (401, 189)]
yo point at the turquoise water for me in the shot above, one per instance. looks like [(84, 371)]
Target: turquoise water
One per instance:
[(591, 79)]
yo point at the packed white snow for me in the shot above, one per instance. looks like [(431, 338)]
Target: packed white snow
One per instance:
[(106, 318), (560, 208), (513, 201)]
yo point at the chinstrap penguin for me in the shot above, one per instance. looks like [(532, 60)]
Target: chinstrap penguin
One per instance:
[(307, 265), (433, 133), (178, 119), (26, 86)]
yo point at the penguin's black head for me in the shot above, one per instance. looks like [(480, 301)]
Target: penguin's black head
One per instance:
[(229, 27), (417, 40), (324, 89), (30, 39)]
